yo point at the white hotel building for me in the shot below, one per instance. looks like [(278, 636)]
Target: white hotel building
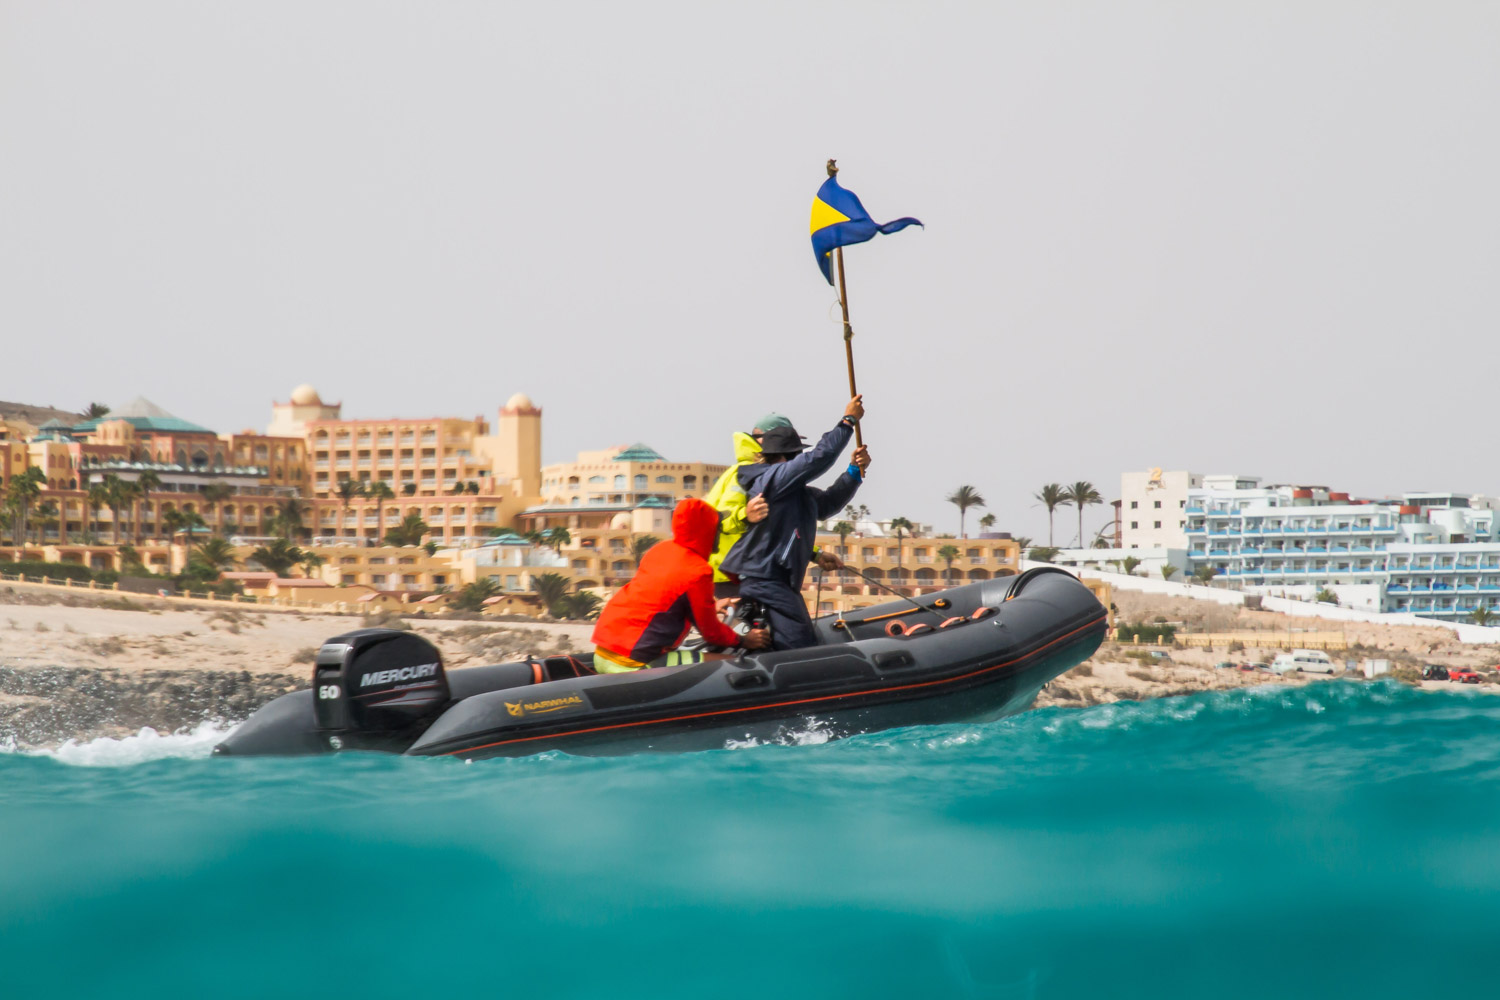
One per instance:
[(1431, 554)]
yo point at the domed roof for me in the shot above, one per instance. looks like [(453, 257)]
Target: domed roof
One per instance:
[(520, 401), (306, 395), (619, 521), (639, 453)]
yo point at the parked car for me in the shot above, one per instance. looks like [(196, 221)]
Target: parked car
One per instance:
[(1463, 675), (1433, 672), (1311, 661), (1157, 654), (1224, 665)]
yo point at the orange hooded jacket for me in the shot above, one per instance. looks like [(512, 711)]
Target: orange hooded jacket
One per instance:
[(672, 591)]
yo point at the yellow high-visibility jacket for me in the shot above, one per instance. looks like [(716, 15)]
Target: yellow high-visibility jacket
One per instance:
[(729, 499)]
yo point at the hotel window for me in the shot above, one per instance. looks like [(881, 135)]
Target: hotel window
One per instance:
[(596, 480), (690, 482), (641, 482), (1157, 504), (1134, 505), (1156, 524), (619, 482), (1135, 524), (666, 479)]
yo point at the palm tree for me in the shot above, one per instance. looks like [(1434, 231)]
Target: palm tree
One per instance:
[(549, 588), (1023, 541), (408, 489), (175, 521), (1167, 570), (947, 554), (216, 494), (584, 605), (843, 529), (192, 521), (1482, 615), (556, 538), (899, 525), (147, 481), (986, 522), (171, 522), (408, 532), (212, 556), (473, 595), (1204, 574), (347, 491), (1128, 564), (380, 492), (46, 517), (310, 562), (640, 545), (1051, 496), (97, 498), (129, 557), (62, 522), (95, 411), (289, 514), (117, 494), (472, 488), (963, 498), (25, 488), (278, 557), (1081, 494)]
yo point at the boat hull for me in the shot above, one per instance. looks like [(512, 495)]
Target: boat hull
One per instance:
[(973, 653)]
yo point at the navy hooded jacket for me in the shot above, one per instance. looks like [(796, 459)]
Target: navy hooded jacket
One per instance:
[(780, 547)]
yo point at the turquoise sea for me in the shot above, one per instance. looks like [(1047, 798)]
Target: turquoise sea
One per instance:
[(1336, 840)]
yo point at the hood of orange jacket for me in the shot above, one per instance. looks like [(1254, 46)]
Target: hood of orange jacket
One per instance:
[(695, 526)]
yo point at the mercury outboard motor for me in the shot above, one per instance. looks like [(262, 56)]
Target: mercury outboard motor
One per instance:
[(375, 683)]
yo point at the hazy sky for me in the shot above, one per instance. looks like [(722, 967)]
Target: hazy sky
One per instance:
[(1256, 237)]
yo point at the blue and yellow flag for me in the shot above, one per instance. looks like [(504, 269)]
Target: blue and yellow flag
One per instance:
[(839, 220)]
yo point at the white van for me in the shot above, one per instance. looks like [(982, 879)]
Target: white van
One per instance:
[(1312, 661)]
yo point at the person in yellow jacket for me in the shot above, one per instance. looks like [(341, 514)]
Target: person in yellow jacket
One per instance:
[(737, 511)]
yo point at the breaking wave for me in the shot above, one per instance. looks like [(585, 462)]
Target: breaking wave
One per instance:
[(145, 745)]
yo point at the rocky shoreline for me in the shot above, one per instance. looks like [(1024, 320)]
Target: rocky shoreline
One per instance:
[(44, 706)]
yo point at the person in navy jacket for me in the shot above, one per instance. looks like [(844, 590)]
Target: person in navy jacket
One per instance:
[(772, 558)]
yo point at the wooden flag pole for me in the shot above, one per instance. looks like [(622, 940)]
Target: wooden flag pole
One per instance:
[(848, 338), (838, 254)]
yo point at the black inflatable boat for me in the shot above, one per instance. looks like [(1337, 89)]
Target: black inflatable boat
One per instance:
[(975, 652)]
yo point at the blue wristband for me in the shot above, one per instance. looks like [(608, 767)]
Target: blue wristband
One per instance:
[(854, 471)]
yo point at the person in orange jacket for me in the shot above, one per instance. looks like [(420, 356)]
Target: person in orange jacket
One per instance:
[(673, 590)]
